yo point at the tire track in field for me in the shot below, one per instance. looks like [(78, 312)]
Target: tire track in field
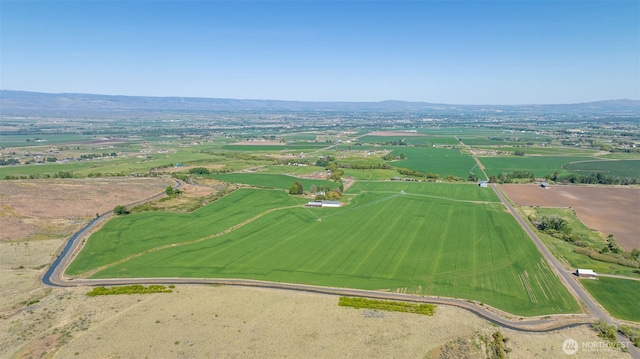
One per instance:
[(179, 244)]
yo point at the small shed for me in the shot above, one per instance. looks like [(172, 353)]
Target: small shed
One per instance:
[(544, 185), (586, 273), (483, 184)]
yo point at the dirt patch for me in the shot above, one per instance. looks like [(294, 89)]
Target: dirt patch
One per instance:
[(189, 199), (395, 133), (611, 210), (236, 322), (187, 168), (56, 207)]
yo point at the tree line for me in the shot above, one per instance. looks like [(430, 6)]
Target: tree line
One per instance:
[(594, 178)]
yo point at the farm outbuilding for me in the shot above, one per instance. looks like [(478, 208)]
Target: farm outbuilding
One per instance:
[(544, 185), (323, 204), (586, 273), (483, 184), (330, 204)]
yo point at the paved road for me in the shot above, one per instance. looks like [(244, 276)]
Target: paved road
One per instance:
[(54, 277)]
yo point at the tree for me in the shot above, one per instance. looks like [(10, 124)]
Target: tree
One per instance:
[(613, 245), (313, 189), (199, 171), (296, 188), (333, 195), (120, 210), (635, 254)]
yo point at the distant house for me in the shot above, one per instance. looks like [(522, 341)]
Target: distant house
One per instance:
[(483, 184), (586, 273)]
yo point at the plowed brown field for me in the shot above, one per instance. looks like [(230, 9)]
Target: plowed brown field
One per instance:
[(611, 210)]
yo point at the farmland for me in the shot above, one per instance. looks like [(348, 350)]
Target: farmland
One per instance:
[(126, 236), (539, 165), (616, 212), (435, 160), (442, 236), (408, 138), (425, 240), (621, 168), (618, 296), (271, 180)]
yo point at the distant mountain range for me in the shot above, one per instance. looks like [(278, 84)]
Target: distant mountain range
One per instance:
[(24, 103)]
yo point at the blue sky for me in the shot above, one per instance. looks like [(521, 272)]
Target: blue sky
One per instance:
[(458, 52)]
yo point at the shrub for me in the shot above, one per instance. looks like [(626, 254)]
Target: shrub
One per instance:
[(199, 171), (605, 330), (633, 333), (129, 289), (120, 210), (424, 308)]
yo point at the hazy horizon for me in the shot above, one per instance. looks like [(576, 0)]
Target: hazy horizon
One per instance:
[(314, 101)]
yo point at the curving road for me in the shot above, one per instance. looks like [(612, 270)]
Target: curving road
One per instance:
[(54, 277)]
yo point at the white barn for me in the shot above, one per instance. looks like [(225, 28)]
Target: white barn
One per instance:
[(586, 273), (332, 204)]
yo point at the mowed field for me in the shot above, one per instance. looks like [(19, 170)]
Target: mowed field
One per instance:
[(270, 180), (436, 160), (451, 240), (618, 296), (540, 166), (611, 210), (616, 168)]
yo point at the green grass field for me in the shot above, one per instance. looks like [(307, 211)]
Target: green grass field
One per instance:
[(435, 160), (279, 181), (410, 139), (619, 296), (544, 150), (301, 147), (539, 165), (621, 168), (136, 233), (371, 175), (427, 240), (448, 191), (7, 140)]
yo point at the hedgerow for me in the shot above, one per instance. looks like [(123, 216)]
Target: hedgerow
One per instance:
[(129, 289), (426, 309)]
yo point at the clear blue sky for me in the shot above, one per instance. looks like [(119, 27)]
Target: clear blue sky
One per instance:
[(477, 52)]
